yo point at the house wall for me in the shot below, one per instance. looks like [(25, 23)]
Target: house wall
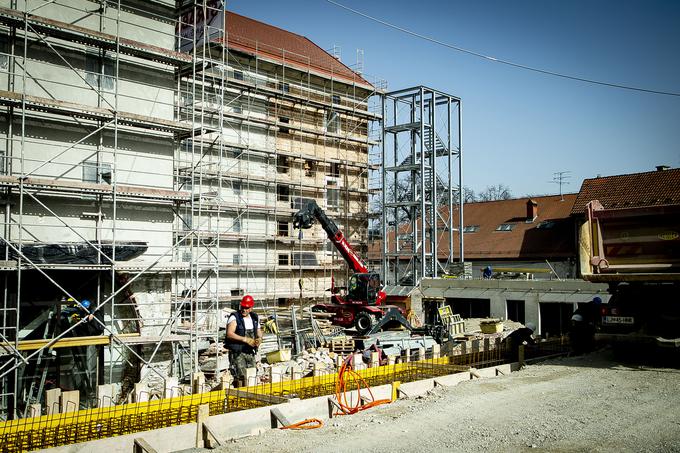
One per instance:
[(270, 154)]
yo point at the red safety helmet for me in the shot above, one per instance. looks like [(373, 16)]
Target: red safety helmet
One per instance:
[(247, 301)]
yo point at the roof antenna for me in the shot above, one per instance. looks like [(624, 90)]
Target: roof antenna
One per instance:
[(560, 178)]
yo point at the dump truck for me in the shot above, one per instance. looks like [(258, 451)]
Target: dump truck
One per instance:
[(636, 251)]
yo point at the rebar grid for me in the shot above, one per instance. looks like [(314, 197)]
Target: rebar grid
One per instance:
[(90, 424)]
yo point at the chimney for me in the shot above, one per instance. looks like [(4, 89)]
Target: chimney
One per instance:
[(532, 210), (662, 167)]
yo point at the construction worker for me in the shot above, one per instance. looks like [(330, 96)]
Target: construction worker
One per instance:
[(519, 337), (93, 323), (582, 328), (74, 313), (487, 272), (244, 336)]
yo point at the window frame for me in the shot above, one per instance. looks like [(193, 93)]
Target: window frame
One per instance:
[(506, 227)]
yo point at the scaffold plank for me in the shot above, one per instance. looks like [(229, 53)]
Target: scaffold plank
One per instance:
[(66, 186), (75, 33), (67, 342), (41, 104)]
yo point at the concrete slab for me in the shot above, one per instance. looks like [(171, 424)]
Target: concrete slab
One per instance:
[(69, 401), (52, 401), (105, 395)]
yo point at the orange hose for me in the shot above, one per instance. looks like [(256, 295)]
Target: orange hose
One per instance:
[(310, 423), (344, 372)]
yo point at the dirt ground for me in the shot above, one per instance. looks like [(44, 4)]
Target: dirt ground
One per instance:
[(583, 403)]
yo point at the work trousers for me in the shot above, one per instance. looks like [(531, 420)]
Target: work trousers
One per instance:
[(238, 363)]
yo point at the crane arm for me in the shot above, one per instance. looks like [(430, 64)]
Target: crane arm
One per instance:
[(308, 215)]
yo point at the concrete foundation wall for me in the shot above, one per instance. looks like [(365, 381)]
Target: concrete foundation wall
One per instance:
[(256, 421), (532, 292)]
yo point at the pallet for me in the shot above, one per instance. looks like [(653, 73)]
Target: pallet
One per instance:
[(344, 345)]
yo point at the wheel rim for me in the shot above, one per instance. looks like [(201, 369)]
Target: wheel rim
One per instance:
[(363, 323)]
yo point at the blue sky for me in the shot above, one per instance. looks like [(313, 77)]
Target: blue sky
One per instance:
[(520, 127)]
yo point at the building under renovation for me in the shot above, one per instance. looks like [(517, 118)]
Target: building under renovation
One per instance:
[(153, 153)]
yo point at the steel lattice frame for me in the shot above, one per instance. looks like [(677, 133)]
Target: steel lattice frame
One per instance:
[(421, 156)]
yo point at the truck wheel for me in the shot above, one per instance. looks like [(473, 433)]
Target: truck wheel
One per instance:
[(363, 323)]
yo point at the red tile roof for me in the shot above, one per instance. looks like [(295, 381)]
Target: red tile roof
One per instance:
[(652, 188), (257, 38), (525, 241)]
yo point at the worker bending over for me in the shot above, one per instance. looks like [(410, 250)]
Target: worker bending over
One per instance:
[(520, 337), (244, 335)]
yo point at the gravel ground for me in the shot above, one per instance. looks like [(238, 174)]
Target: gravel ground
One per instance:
[(586, 403)]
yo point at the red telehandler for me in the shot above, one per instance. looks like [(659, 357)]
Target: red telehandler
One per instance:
[(362, 304)]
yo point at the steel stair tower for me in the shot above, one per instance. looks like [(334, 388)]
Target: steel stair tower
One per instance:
[(422, 184)]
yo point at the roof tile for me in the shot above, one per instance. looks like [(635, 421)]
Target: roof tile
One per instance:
[(652, 188), (252, 36), (524, 241)]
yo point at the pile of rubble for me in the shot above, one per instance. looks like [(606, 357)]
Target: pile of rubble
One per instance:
[(311, 362)]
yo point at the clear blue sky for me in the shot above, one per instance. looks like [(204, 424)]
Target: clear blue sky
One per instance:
[(520, 127)]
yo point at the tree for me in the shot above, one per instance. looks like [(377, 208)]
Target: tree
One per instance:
[(496, 192)]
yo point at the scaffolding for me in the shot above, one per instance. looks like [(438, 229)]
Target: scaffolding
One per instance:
[(421, 152), (150, 121)]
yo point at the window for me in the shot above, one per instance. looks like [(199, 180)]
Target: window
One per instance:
[(237, 292), (236, 187), (105, 172), (300, 202), (282, 192), (333, 123), (335, 170), (284, 87), (4, 58), (236, 107), (89, 172), (188, 185), (237, 259), (284, 120), (304, 259), (92, 173), (505, 227), (100, 72), (186, 222), (470, 228), (284, 259), (309, 168), (336, 99), (3, 162), (238, 75), (515, 310), (236, 226), (332, 197), (282, 228), (546, 224), (470, 307), (282, 164)]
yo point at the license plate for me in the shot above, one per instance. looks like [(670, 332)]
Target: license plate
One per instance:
[(619, 320)]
